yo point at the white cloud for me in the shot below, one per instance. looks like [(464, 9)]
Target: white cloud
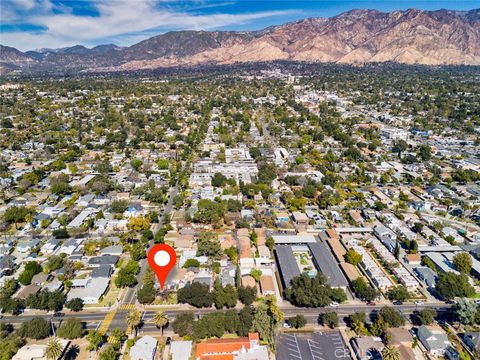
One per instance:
[(120, 19)]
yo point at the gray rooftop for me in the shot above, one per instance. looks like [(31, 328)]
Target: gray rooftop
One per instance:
[(102, 271), (326, 264), (427, 274), (103, 260), (286, 263)]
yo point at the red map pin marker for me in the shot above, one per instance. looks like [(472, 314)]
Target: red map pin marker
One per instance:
[(162, 259)]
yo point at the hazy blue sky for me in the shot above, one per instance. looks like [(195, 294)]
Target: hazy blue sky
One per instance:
[(34, 24)]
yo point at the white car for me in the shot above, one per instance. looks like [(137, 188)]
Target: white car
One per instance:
[(286, 325), (419, 303), (334, 304)]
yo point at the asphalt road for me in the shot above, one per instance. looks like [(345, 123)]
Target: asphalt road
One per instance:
[(130, 295), (93, 319)]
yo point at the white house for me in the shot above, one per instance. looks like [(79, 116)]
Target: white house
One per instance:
[(144, 349)]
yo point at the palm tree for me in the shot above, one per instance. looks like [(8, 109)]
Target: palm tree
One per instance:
[(95, 339), (160, 319), (133, 319), (118, 335), (54, 350), (390, 353)]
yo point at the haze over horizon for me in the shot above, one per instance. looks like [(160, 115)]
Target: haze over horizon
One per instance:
[(35, 24)]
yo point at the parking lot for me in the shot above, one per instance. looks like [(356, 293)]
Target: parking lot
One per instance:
[(312, 346)]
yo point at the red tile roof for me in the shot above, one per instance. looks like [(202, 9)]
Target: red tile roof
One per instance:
[(223, 349)]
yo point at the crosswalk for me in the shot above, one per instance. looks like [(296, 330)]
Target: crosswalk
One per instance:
[(107, 320), (127, 307), (113, 340)]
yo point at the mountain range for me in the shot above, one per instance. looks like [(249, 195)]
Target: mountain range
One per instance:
[(356, 37)]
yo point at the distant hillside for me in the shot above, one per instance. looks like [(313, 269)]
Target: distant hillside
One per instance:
[(355, 37)]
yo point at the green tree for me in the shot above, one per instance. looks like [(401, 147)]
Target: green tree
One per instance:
[(183, 324), (297, 321), (451, 285), (75, 304), (126, 275), (136, 164), (270, 242), (11, 305), (256, 274), (329, 318), (95, 340), (219, 180), (209, 245), (210, 325), (9, 344), (466, 311), (72, 328), (31, 269), (133, 320), (357, 322), (109, 353), (137, 251), (37, 328), (119, 206), (46, 300), (191, 263), (147, 293), (399, 147), (398, 293), (209, 212), (16, 214), (195, 294), (232, 321), (309, 292), (363, 290), (263, 323), (353, 257), (224, 296), (54, 350), (463, 262), (160, 319), (246, 321), (162, 164), (59, 186), (424, 152), (55, 262), (61, 233), (390, 353), (426, 316), (247, 295), (391, 317)]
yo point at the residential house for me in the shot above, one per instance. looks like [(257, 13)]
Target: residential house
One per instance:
[(181, 350), (115, 250), (232, 349), (427, 275), (266, 285), (89, 290), (402, 340), (38, 351), (97, 261), (434, 339), (144, 349)]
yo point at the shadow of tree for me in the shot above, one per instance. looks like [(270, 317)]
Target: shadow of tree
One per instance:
[(72, 352)]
